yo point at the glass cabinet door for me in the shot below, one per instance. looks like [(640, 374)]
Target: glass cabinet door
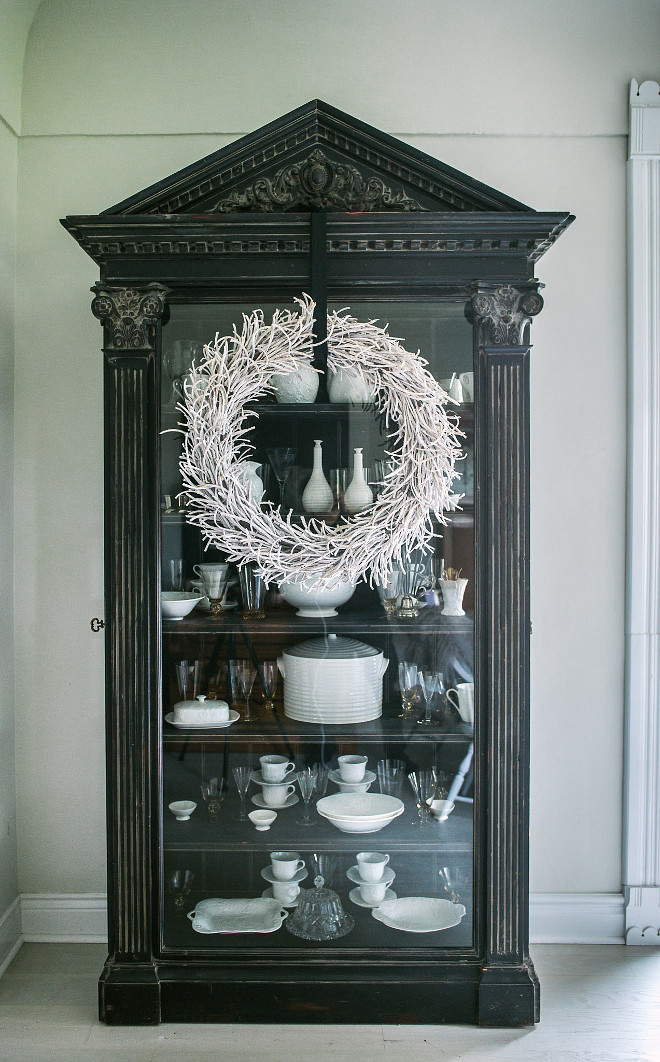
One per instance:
[(373, 695)]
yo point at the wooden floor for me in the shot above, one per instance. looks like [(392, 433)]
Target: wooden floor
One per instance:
[(598, 1004)]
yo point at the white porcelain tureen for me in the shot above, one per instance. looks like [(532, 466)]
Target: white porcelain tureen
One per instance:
[(333, 680)]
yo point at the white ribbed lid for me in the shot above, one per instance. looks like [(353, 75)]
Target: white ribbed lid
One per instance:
[(332, 647)]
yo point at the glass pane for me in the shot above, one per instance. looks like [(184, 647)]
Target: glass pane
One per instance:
[(343, 706)]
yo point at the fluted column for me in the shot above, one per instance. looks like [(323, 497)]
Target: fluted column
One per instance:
[(501, 316), (131, 324)]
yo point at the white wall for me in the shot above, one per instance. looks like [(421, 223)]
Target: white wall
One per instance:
[(527, 96)]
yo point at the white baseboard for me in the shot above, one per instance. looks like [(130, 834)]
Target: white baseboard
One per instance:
[(11, 937), (554, 918), (81, 918), (576, 918)]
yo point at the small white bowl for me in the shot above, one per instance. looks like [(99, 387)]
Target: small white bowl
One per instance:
[(182, 809), (441, 809), (175, 604), (262, 820)]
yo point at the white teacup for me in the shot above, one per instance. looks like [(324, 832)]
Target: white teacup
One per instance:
[(352, 768), (371, 865), (285, 891), (286, 865), (276, 795), (462, 698), (275, 768), (374, 892)]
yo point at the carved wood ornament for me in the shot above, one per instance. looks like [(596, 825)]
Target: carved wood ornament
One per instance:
[(316, 183)]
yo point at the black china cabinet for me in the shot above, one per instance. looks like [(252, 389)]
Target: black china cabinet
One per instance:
[(317, 203)]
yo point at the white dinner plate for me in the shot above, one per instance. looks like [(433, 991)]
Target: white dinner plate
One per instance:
[(419, 914), (288, 803), (233, 716)]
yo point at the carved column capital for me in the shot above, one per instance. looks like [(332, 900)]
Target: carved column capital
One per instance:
[(503, 313), (129, 315)]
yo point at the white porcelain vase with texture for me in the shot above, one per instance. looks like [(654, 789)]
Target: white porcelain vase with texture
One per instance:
[(297, 387), (348, 386), (452, 595), (252, 480), (358, 494), (317, 495)]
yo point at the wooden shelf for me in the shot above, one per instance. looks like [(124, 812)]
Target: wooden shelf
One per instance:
[(283, 621)]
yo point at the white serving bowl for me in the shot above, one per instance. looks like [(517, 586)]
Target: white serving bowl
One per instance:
[(360, 812), (175, 604), (313, 601)]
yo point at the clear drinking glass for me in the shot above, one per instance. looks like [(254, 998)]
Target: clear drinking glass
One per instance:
[(179, 885), (253, 592), (338, 483), (281, 458), (423, 786), (176, 574), (189, 677), (268, 673), (409, 686), (307, 782), (242, 780), (390, 776), (430, 683), (242, 675), (390, 591), (411, 578), (212, 795)]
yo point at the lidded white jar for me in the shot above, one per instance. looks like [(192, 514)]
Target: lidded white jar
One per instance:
[(333, 680)]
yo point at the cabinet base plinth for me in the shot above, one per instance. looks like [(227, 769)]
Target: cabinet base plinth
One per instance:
[(509, 996), (129, 994)]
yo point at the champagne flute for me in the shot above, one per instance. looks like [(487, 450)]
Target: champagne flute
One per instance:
[(243, 675), (408, 683), (281, 458), (423, 786), (307, 783), (268, 673), (430, 682), (242, 779)]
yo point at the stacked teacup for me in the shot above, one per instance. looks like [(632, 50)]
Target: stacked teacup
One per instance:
[(373, 878), (276, 789), (352, 776), (285, 873)]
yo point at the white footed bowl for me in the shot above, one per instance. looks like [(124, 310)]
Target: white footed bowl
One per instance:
[(175, 604), (360, 812), (313, 601)]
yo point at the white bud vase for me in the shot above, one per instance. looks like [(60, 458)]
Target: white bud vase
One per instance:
[(358, 494), (317, 495)]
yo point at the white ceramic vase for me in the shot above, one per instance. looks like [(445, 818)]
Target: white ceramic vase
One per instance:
[(452, 595), (297, 387), (250, 478), (347, 386), (359, 494), (317, 495)]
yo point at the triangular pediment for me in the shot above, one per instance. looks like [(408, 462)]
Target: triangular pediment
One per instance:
[(317, 158)]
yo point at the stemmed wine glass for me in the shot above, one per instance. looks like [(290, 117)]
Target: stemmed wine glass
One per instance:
[(281, 458), (242, 779), (307, 782), (242, 676), (423, 786), (430, 682), (212, 795), (408, 683), (268, 676)]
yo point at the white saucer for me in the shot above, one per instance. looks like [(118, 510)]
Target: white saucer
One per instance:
[(288, 803), (233, 716), (353, 787), (354, 875), (269, 893), (258, 777), (355, 896), (300, 875)]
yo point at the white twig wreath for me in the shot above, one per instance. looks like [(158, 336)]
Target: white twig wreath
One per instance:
[(423, 438)]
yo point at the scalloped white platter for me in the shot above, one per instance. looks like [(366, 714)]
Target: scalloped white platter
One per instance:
[(419, 914), (260, 915)]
